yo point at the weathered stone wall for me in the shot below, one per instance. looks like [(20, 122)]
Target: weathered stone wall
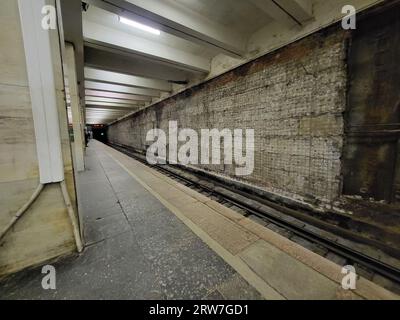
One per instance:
[(293, 99)]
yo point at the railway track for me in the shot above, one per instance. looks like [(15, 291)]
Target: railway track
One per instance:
[(315, 239)]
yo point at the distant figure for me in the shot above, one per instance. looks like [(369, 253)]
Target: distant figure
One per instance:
[(87, 137)]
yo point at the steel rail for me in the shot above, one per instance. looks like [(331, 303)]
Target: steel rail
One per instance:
[(352, 255)]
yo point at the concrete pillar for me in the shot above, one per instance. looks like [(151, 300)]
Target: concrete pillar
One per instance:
[(32, 94), (83, 117), (77, 123)]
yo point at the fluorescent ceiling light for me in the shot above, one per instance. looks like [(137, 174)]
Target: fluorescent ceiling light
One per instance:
[(139, 26)]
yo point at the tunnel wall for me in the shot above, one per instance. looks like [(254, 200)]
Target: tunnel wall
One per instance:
[(293, 99), (44, 231), (373, 115)]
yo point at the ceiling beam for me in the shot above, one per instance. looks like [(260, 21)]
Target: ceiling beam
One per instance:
[(105, 109), (107, 87), (106, 112), (104, 115), (179, 21), (276, 12), (122, 109), (110, 100), (100, 121), (93, 104), (301, 10), (111, 59), (99, 34), (127, 80), (112, 95)]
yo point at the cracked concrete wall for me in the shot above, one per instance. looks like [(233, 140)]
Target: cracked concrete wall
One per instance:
[(293, 98)]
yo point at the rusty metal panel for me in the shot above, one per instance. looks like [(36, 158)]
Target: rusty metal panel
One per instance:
[(373, 113), (397, 179)]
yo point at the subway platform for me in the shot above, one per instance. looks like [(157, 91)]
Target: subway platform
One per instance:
[(149, 237)]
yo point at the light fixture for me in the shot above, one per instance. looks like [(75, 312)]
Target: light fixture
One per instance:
[(139, 26)]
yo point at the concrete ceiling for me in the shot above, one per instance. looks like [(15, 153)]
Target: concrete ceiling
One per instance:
[(127, 68), (241, 16)]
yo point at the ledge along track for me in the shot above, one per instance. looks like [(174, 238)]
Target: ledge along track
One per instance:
[(273, 213)]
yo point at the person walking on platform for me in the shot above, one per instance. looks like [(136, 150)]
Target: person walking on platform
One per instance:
[(87, 137)]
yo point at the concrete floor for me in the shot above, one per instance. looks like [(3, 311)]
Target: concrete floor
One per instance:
[(135, 249), (150, 237)]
